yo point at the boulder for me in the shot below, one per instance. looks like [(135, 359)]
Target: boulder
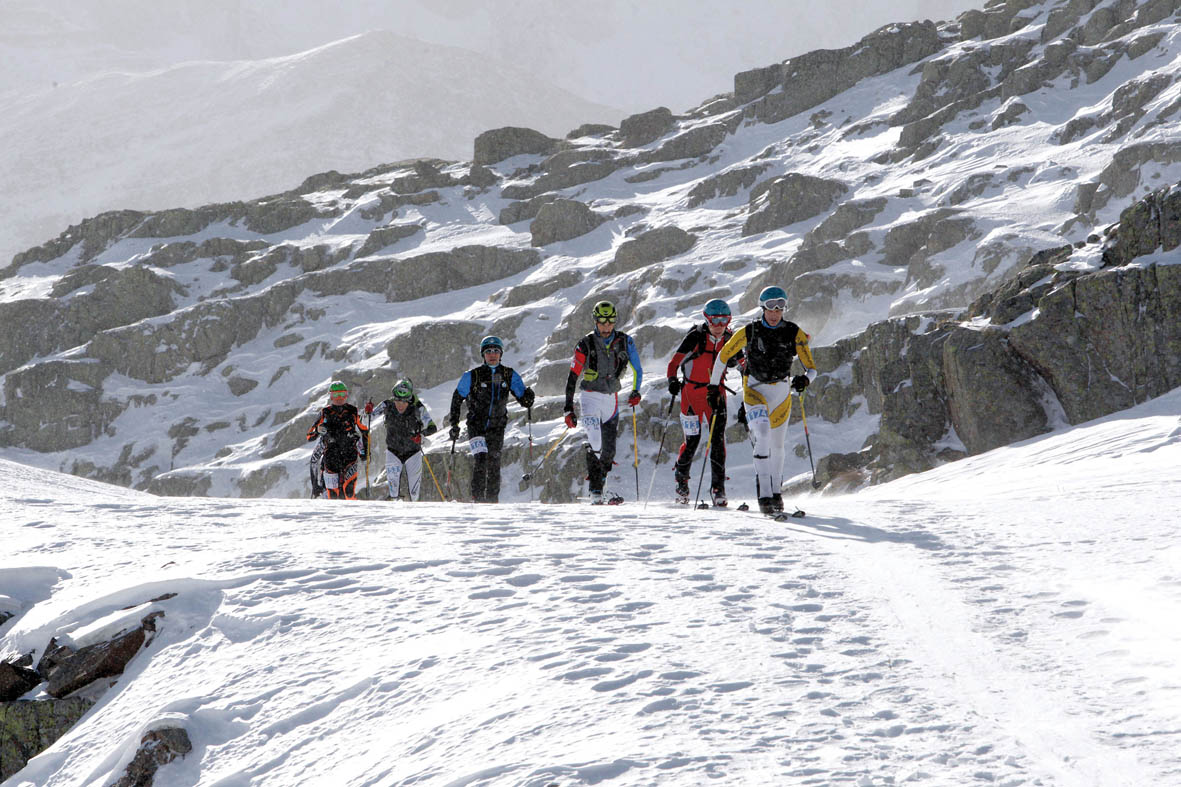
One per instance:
[(789, 199), (496, 145), (157, 748), (68, 670), (563, 219), (640, 129), (650, 247), (15, 681)]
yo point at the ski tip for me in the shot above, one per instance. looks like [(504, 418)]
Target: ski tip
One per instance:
[(798, 514), (702, 505), (743, 507)]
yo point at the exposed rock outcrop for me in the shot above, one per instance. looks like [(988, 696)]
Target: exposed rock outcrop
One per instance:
[(650, 247), (29, 728), (563, 219), (157, 748), (496, 145), (789, 199), (1089, 343), (817, 76)]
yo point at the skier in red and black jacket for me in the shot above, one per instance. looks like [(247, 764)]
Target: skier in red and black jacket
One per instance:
[(695, 359)]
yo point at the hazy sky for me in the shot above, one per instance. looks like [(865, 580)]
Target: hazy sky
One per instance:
[(631, 54)]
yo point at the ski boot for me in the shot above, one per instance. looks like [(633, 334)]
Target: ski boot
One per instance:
[(718, 496), (777, 502), (767, 506), (682, 493), (597, 498)]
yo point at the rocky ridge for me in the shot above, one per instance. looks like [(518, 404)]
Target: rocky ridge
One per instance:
[(904, 177)]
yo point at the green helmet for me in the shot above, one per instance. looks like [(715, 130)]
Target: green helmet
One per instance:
[(604, 311), (404, 391), (337, 389)]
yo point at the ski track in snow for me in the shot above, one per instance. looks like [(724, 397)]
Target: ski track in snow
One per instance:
[(1007, 619)]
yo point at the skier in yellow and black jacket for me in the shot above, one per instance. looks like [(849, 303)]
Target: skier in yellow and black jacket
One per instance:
[(771, 344)]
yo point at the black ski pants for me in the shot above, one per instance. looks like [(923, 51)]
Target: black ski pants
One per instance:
[(717, 452), (597, 467), (486, 468)]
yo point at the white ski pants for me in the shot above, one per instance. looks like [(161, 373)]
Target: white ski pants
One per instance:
[(768, 447), (395, 467), (597, 409)]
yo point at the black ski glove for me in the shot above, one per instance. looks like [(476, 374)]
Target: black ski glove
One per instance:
[(674, 386), (527, 398), (431, 428), (453, 433), (714, 397), (741, 417), (800, 382)]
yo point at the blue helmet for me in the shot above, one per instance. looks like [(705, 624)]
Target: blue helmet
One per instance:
[(773, 298), (491, 343), (717, 312), (716, 308)]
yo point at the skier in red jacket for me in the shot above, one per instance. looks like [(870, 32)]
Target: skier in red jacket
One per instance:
[(695, 359)]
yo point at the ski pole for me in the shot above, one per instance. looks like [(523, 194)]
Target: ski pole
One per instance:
[(708, 444), (369, 428), (815, 483), (427, 462), (664, 434), (450, 463), (529, 421), (528, 476), (636, 450)]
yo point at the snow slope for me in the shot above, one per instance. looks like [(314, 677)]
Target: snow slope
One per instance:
[(1011, 618)]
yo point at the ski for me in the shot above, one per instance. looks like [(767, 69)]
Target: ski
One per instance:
[(743, 508)]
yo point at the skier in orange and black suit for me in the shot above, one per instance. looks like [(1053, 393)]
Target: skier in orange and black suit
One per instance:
[(344, 442)]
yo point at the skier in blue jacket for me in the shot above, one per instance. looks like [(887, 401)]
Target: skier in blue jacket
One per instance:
[(486, 389)]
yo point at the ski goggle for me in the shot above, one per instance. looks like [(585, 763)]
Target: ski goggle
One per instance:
[(775, 304), (492, 350), (718, 319), (605, 320), (338, 395)]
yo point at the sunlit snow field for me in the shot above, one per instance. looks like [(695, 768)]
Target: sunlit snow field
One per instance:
[(1012, 618)]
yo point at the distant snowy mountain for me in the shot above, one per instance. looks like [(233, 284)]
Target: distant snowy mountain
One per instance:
[(205, 131), (962, 180)]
